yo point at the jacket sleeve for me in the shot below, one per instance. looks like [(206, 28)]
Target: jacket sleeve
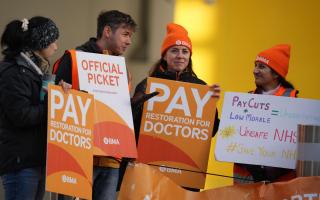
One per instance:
[(216, 124), (138, 108), (64, 70), (216, 118), (16, 100)]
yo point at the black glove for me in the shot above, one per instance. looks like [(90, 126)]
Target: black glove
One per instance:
[(140, 98)]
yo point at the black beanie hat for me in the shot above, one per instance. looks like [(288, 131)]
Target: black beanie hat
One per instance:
[(43, 34)]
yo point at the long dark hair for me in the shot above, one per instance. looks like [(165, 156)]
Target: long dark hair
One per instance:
[(282, 81), (13, 39), (162, 65)]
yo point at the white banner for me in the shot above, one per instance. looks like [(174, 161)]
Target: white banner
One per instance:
[(262, 129), (106, 77)]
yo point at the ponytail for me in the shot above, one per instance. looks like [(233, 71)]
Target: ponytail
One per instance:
[(13, 39)]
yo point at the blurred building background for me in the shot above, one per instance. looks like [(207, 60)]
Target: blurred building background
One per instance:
[(226, 36)]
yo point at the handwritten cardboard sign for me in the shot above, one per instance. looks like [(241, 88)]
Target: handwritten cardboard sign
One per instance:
[(262, 129)]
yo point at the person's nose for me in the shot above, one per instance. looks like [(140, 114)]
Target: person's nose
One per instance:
[(180, 54), (129, 40), (55, 46)]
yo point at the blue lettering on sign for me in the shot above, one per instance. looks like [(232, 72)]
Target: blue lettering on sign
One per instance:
[(251, 103), (249, 117), (236, 116), (253, 118)]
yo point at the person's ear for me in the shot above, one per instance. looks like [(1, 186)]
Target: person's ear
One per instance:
[(165, 57), (107, 31), (275, 75)]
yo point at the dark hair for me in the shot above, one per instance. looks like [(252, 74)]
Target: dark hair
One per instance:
[(39, 33), (163, 65), (283, 82), (13, 39), (114, 19)]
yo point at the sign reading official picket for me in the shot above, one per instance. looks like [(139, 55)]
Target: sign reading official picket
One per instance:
[(70, 142), (106, 78), (176, 130), (262, 129)]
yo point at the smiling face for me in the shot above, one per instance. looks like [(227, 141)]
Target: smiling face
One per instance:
[(119, 40), (177, 58), (264, 77)]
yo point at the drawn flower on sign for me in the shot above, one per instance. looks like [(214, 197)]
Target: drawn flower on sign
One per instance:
[(228, 132)]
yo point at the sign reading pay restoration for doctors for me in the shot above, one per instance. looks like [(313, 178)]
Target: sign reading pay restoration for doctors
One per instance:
[(176, 130), (70, 142)]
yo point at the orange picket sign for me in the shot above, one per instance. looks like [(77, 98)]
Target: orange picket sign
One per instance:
[(70, 142), (176, 130)]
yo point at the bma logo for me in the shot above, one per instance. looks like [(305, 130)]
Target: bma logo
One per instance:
[(262, 59), (308, 196), (162, 168), (179, 42), (111, 141), (68, 179)]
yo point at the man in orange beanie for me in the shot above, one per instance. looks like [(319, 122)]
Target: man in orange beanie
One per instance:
[(270, 71)]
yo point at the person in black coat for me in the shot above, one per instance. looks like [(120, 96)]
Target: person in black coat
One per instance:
[(27, 45)]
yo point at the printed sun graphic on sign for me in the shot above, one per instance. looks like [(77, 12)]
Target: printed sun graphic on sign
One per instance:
[(228, 132)]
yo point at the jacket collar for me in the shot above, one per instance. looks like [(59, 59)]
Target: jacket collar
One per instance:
[(29, 64), (172, 75), (90, 46)]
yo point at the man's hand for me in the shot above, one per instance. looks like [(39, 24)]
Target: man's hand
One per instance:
[(65, 86)]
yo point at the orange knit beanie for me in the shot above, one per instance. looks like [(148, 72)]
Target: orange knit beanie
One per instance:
[(276, 58), (176, 35)]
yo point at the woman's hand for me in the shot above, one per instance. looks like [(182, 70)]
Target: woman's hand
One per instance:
[(215, 88), (140, 98), (65, 86)]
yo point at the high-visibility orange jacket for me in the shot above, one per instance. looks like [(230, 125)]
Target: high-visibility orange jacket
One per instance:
[(70, 59)]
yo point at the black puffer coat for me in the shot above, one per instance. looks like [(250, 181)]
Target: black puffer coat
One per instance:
[(142, 86), (22, 117)]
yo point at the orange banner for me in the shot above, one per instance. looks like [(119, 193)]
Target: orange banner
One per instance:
[(70, 142), (144, 182), (176, 130)]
